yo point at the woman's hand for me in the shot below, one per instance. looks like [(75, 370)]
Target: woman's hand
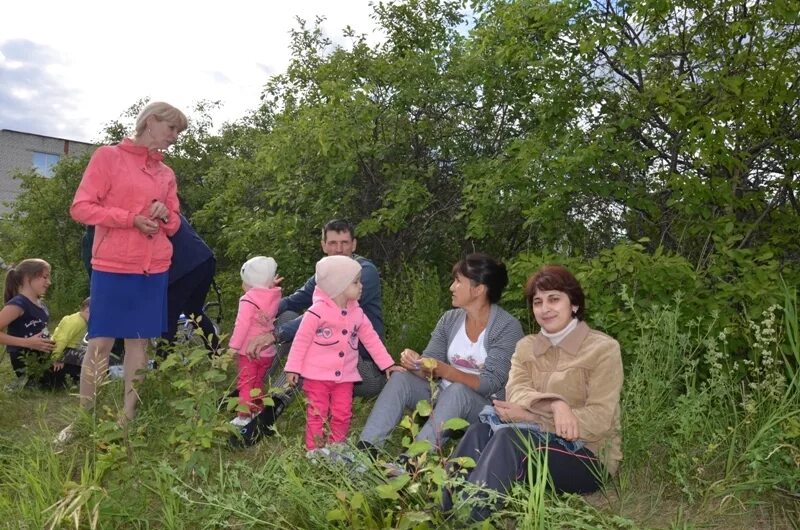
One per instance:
[(159, 210), (146, 226), (410, 360), (39, 343), (433, 368), (392, 369), (511, 412), (565, 420), (292, 378), (258, 343)]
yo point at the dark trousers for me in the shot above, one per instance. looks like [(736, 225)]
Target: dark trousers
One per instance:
[(187, 295), (47, 378), (502, 458)]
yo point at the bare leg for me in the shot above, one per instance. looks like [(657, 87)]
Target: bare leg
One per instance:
[(133, 367), (94, 368)]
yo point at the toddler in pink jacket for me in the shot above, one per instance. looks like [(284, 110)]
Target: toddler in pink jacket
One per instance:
[(257, 309), (325, 350)]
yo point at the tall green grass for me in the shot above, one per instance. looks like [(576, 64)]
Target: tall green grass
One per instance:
[(709, 441)]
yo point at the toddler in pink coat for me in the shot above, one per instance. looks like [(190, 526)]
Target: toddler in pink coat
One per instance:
[(257, 309), (325, 350)]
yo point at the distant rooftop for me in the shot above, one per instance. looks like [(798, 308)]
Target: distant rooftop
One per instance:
[(45, 136)]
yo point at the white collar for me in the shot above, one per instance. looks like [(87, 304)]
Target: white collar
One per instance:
[(558, 336)]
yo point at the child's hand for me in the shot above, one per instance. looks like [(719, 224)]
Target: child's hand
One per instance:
[(57, 365), (39, 343), (394, 368), (292, 378)]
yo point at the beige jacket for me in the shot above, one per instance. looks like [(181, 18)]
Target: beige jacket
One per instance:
[(585, 371)]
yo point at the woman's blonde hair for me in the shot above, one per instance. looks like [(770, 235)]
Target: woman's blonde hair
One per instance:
[(162, 111)]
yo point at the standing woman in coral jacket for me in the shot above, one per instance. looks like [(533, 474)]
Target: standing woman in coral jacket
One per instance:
[(130, 196)]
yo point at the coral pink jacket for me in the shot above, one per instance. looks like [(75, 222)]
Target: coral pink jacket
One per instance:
[(325, 347), (121, 182), (256, 316)]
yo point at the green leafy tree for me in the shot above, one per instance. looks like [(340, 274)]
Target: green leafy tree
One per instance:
[(39, 226), (675, 121)]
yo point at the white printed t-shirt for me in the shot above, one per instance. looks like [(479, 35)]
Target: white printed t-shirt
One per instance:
[(464, 354)]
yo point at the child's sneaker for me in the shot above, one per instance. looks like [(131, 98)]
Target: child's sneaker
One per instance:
[(341, 453), (316, 455), (249, 432), (241, 421)]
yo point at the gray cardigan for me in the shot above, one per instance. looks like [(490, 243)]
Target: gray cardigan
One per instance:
[(503, 331)]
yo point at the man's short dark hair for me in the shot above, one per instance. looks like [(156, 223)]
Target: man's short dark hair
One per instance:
[(338, 225)]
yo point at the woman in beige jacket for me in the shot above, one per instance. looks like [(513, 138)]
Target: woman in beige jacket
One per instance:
[(562, 401)]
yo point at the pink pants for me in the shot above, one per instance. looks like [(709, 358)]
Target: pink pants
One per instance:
[(251, 376), (331, 403)]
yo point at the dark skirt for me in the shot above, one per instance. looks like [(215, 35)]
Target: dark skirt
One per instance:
[(129, 306)]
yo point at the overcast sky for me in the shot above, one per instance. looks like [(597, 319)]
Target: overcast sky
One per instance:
[(68, 68)]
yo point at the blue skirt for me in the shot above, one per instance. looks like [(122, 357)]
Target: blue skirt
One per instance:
[(128, 306)]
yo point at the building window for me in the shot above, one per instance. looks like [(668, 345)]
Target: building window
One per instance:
[(43, 163)]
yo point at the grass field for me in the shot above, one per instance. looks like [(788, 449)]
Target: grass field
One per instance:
[(709, 442), (161, 474)]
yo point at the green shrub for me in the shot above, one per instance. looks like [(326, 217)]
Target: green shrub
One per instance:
[(723, 426), (413, 301)]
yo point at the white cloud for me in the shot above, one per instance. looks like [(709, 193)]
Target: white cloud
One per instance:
[(25, 94), (104, 56)]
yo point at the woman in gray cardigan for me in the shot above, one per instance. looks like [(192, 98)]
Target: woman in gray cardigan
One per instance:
[(469, 354)]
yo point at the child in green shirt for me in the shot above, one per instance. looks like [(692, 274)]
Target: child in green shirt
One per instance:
[(70, 347)]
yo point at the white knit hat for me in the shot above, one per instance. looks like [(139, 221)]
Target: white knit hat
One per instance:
[(259, 271), (335, 273)]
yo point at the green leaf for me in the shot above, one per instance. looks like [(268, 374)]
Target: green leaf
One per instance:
[(357, 501), (423, 408), (399, 482), (214, 376), (336, 514), (417, 517), (386, 491), (455, 424), (464, 461), (418, 447)]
